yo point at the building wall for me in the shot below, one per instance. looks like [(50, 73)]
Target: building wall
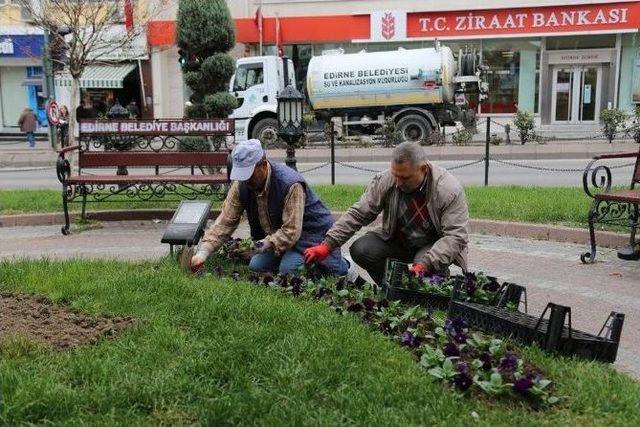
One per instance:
[(168, 90), (630, 54), (14, 96), (247, 8), (520, 75)]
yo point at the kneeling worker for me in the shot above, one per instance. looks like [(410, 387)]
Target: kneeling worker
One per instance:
[(285, 216), (425, 217)]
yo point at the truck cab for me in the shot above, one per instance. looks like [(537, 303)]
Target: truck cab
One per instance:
[(256, 84)]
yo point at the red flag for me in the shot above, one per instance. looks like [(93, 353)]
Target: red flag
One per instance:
[(128, 15), (259, 24), (279, 47)]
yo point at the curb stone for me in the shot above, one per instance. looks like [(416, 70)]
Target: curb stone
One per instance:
[(477, 226)]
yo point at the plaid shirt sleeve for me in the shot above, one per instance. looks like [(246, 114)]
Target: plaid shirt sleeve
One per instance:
[(225, 224), (286, 236)]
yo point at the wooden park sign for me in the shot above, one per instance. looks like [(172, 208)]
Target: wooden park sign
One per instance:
[(165, 127)]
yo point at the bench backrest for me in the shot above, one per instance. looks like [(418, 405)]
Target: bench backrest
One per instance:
[(97, 159)]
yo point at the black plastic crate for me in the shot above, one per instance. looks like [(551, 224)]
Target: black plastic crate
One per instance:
[(395, 270), (552, 334)]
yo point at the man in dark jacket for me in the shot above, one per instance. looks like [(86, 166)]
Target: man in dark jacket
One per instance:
[(285, 216)]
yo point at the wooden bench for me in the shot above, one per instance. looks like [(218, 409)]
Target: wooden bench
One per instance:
[(191, 174), (614, 207)]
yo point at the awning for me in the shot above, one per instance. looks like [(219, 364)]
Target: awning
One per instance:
[(99, 77), (32, 82)]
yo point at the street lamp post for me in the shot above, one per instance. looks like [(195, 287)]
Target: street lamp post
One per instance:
[(290, 118)]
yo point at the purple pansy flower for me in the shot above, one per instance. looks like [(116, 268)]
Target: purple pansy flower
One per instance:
[(407, 339), (451, 350), (258, 245), (486, 360), (282, 280), (456, 325), (492, 285), (508, 364), (355, 307), (385, 327), (460, 338), (436, 279), (296, 286), (368, 303), (383, 303), (523, 385), (463, 367), (267, 279), (462, 381)]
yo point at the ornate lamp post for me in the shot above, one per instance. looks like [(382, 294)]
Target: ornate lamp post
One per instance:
[(290, 120)]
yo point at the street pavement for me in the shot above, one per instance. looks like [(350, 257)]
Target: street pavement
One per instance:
[(550, 271), (519, 172)]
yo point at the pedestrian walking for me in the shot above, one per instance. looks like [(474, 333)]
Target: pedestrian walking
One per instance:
[(28, 123)]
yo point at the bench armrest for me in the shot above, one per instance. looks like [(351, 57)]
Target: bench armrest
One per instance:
[(616, 156), (63, 168), (598, 179), (67, 149)]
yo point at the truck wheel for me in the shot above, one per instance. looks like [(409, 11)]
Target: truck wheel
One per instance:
[(266, 130), (468, 60), (414, 127)]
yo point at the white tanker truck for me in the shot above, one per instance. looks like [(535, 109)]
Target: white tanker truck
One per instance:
[(420, 89)]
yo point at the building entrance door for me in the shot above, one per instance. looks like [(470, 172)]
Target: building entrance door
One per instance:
[(576, 94)]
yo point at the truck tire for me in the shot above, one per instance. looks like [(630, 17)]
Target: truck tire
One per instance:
[(266, 130), (414, 127), (468, 60)]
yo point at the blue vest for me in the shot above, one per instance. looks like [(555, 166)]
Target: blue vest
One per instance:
[(317, 219)]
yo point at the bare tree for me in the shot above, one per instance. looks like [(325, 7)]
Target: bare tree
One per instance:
[(90, 31)]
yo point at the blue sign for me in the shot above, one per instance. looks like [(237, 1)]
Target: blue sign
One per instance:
[(21, 45)]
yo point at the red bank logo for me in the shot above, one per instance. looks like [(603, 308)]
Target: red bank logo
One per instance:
[(388, 27)]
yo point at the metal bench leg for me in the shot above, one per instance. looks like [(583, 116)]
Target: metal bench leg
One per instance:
[(589, 257), (65, 228), (83, 215), (631, 251)]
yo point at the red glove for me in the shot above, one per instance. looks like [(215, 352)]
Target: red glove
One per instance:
[(418, 269), (316, 253)]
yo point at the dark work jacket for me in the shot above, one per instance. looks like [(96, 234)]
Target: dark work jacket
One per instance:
[(316, 221)]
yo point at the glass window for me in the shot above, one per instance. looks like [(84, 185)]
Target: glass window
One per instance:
[(248, 75), (632, 39), (581, 42), (513, 70), (34, 72)]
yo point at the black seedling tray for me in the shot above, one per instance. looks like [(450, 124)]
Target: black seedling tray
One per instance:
[(551, 334), (395, 270)]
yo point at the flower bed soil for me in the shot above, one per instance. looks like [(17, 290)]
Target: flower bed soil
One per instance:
[(52, 325)]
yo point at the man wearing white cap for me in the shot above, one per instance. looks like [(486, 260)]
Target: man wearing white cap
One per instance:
[(285, 216)]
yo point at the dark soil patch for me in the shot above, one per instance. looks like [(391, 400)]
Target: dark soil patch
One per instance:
[(52, 325)]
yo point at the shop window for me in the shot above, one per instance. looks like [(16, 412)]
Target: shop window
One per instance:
[(599, 41), (248, 75), (513, 75), (34, 72), (631, 40)]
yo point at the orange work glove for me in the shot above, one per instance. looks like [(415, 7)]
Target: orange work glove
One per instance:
[(418, 269), (316, 253)]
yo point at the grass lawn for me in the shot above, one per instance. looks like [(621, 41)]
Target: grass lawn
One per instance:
[(211, 352), (546, 205)]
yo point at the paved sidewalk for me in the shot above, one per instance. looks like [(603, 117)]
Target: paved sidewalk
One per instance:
[(17, 155), (551, 271)]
